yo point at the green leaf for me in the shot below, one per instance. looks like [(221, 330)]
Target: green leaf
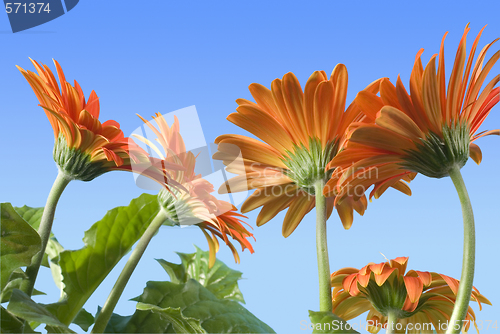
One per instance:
[(33, 216), (22, 306), (52, 251), (327, 322), (84, 319), (106, 242), (19, 242), (180, 323), (9, 323), (15, 280), (221, 280), (116, 323), (193, 301)]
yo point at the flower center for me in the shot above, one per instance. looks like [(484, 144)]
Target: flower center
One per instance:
[(435, 156), (76, 164), (306, 165)]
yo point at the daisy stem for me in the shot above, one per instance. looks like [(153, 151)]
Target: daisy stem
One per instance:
[(392, 320), (115, 294), (465, 286), (44, 230), (325, 286)]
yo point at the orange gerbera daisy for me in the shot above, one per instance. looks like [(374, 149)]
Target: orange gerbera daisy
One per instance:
[(84, 147), (192, 202), (303, 131), (430, 131), (415, 300)]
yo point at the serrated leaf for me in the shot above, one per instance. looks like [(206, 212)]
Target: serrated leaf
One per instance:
[(180, 323), (194, 301), (9, 323), (22, 306), (221, 280), (106, 242), (19, 242), (327, 322), (52, 251)]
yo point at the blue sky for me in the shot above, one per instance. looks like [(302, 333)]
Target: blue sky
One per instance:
[(161, 56)]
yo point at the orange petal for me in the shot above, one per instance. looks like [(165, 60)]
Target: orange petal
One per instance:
[(345, 212), (386, 273), (430, 95), (397, 121), (381, 138), (298, 209), (414, 288), (377, 268), (294, 98), (271, 209), (388, 94), (309, 92), (400, 264), (323, 106), (347, 282), (475, 153), (339, 79), (369, 103), (264, 98), (262, 196), (425, 277)]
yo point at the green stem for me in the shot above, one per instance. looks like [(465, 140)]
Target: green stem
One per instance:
[(325, 286), (44, 230), (465, 286), (392, 321), (115, 294)]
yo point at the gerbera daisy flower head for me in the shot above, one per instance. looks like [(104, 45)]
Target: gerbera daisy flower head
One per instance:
[(429, 131), (192, 202), (418, 299), (84, 147), (301, 131)]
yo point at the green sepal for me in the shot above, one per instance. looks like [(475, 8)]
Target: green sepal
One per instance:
[(306, 165), (76, 165), (436, 155)]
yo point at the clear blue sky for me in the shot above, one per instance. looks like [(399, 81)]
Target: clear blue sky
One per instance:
[(160, 56)]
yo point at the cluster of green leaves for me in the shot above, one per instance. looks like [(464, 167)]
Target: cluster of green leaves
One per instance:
[(197, 299), (19, 243)]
